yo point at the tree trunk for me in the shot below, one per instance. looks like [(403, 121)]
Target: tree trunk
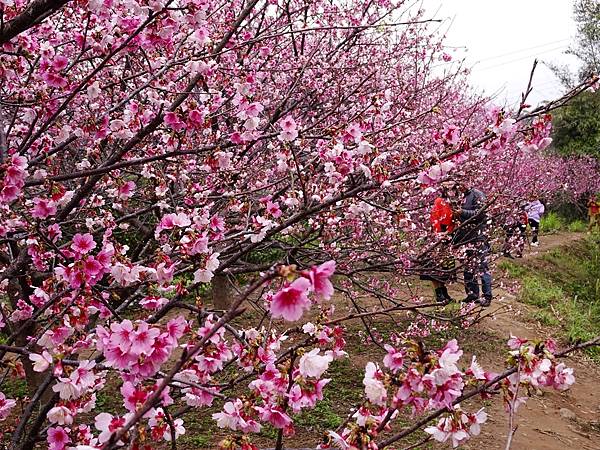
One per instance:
[(221, 292), (18, 290)]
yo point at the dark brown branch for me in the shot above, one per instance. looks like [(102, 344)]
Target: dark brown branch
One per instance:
[(34, 14)]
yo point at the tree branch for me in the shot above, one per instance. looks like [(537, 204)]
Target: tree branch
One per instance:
[(34, 14)]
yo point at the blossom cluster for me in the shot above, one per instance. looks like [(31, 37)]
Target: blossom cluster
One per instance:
[(429, 381), (292, 300)]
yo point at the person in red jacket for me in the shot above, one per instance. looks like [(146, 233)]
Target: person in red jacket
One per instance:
[(593, 211), (440, 269), (441, 216)]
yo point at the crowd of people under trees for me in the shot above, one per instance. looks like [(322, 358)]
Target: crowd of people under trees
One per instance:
[(459, 212)]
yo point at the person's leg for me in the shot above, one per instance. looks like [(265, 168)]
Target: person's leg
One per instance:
[(486, 276), (439, 287), (471, 284), (449, 274), (446, 293), (508, 240), (535, 227), (521, 237)]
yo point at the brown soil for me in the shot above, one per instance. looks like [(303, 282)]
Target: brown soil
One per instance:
[(550, 420)]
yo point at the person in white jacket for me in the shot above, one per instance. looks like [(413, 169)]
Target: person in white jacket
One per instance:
[(535, 211)]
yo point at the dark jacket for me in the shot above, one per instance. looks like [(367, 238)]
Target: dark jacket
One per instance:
[(472, 218)]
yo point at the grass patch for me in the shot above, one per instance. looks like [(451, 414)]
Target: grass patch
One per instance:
[(512, 269), (322, 417), (199, 430), (15, 388), (577, 226), (196, 440), (551, 222), (540, 291), (565, 284), (107, 401), (546, 318), (343, 375)]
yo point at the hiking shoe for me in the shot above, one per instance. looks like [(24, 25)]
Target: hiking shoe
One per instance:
[(470, 299), (486, 301), (439, 295), (447, 295), (535, 244)]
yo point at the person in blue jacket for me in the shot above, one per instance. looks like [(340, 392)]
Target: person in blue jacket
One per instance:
[(471, 234)]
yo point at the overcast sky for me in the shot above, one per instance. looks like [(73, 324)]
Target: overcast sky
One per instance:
[(500, 40)]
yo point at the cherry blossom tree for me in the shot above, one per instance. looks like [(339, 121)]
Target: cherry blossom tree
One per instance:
[(286, 149)]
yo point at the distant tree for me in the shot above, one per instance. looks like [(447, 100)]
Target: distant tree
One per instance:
[(577, 126), (586, 46)]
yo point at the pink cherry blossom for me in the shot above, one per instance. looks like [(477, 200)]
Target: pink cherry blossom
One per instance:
[(475, 370), (274, 416), (43, 208), (515, 342), (273, 209), (307, 395), (157, 421), (164, 273), (394, 359), (206, 274), (126, 190), (457, 427), (6, 404), (133, 397), (122, 334), (60, 415), (22, 312), (354, 132), (235, 418), (59, 63), (143, 338), (173, 121), (153, 302), (54, 80), (475, 421), (563, 377), (319, 277), (107, 424), (83, 243), (289, 130), (435, 173), (58, 438), (450, 355), (375, 390), (291, 301), (41, 362), (313, 365)]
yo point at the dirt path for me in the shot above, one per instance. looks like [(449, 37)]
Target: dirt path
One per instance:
[(549, 420)]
